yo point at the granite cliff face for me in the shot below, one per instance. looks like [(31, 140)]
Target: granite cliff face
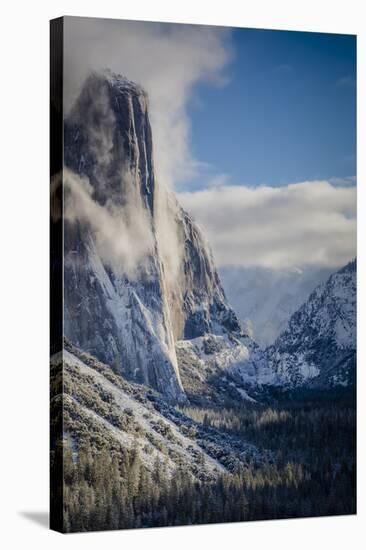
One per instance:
[(196, 293), (125, 301), (115, 297)]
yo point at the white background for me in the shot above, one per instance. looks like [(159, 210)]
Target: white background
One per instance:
[(24, 273)]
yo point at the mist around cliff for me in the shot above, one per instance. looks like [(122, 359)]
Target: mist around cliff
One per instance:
[(123, 235), (167, 60)]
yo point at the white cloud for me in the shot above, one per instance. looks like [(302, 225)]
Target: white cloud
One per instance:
[(167, 60), (122, 235), (302, 224)]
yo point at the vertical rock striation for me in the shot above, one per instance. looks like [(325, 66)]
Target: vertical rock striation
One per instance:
[(123, 302)]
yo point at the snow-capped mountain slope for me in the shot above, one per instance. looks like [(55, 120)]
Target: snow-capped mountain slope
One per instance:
[(139, 274), (264, 299), (318, 348), (101, 408)]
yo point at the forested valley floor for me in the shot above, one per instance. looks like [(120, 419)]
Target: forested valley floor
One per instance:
[(313, 473)]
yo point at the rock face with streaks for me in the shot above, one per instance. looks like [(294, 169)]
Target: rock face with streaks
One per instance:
[(115, 296), (130, 293)]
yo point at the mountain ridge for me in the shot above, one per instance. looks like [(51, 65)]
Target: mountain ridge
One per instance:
[(318, 348)]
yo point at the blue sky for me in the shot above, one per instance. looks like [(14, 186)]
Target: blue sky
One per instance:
[(286, 114)]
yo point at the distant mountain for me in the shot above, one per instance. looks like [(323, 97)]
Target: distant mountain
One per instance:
[(264, 299), (139, 275), (318, 348)]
